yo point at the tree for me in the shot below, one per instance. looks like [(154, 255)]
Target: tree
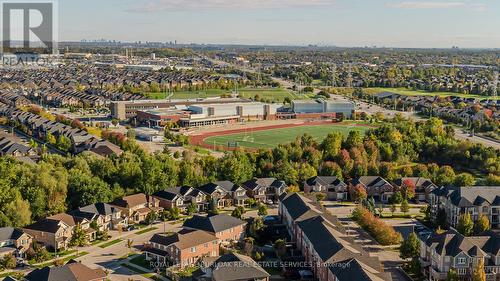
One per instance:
[(478, 273), (248, 245), (358, 193), (238, 212), (191, 209), (251, 202), (293, 188), (175, 213), (320, 197), (63, 143), (151, 217), (79, 237), (410, 248), (280, 247), (262, 210), (482, 224), (465, 179), (408, 189), (405, 207), (130, 243), (397, 198), (452, 275), (256, 225), (8, 262), (393, 209), (465, 224)]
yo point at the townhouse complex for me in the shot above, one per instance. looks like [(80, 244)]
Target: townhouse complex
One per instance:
[(324, 243), (476, 200), (442, 252)]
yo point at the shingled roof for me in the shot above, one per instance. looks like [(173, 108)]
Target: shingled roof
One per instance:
[(214, 224)]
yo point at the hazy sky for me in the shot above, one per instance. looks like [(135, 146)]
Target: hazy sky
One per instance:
[(391, 23)]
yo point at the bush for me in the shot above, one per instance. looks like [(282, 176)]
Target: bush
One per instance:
[(382, 232)]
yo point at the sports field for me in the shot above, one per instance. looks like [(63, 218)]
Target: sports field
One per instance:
[(271, 138), (272, 94)]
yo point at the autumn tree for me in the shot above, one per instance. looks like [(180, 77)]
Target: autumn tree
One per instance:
[(465, 224), (482, 224)]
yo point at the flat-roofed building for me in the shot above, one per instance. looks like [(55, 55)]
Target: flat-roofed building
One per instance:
[(304, 107)]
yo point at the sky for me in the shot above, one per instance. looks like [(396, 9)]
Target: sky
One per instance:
[(346, 23)]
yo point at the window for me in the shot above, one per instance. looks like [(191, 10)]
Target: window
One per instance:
[(193, 249), (462, 260)]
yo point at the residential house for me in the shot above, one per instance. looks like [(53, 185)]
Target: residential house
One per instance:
[(451, 250), (182, 197), (375, 186), (333, 187), (53, 234), (72, 271), (104, 215), (136, 207), (264, 189), (234, 193), (476, 200), (217, 195), (230, 267), (423, 187), (14, 241), (183, 248), (73, 221), (225, 228)]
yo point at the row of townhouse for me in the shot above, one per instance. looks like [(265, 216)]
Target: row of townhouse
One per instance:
[(221, 193), (331, 253), (375, 186), (55, 232), (476, 200), (15, 98), (65, 97), (442, 252), (15, 147), (39, 127), (199, 237)]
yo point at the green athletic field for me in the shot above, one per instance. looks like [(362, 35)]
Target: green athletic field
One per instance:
[(272, 94), (271, 138)]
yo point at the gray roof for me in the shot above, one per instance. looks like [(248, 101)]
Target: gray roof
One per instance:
[(475, 196), (10, 233), (214, 223), (231, 267), (451, 243)]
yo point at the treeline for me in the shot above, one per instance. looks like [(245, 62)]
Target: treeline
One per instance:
[(399, 148)]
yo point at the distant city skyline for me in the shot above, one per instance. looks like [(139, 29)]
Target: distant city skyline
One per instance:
[(343, 23)]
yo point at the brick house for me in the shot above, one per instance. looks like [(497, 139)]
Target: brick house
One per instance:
[(423, 187), (375, 186), (183, 248), (136, 207)]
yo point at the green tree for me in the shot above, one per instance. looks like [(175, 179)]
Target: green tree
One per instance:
[(464, 179), (191, 209), (174, 213), (405, 207), (8, 262), (238, 212), (63, 143), (280, 247), (465, 224), (410, 248), (256, 226), (320, 197), (393, 209), (262, 210), (79, 237), (452, 275)]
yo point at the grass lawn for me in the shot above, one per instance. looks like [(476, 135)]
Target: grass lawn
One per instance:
[(64, 260), (145, 230), (274, 94), (271, 138), (407, 92), (134, 269), (110, 243), (140, 261)]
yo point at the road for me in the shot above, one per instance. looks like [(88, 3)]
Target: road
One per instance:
[(459, 134)]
